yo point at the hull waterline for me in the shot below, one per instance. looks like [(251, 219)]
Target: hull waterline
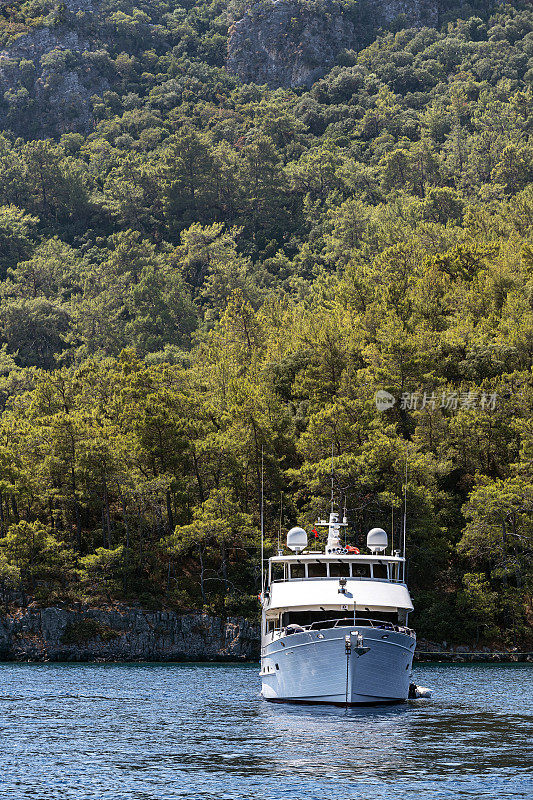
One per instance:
[(299, 702)]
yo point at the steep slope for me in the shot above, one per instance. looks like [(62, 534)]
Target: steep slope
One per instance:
[(292, 43), (49, 71), (58, 59)]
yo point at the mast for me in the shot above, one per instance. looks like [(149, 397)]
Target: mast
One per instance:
[(345, 520), (333, 525), (332, 480), (262, 520), (280, 523), (392, 529), (405, 508)]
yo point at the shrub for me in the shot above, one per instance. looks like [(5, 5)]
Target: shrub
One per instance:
[(87, 629)]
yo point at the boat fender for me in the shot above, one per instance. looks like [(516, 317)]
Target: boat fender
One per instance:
[(416, 692)]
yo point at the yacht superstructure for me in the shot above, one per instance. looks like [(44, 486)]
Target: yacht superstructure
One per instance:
[(334, 623)]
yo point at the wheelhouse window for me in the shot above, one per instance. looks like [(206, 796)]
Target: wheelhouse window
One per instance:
[(297, 571), (361, 570), (277, 572), (340, 569), (317, 570), (380, 571)]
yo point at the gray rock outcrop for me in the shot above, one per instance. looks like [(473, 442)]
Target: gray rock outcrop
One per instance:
[(293, 43), (286, 43), (123, 634), (120, 633), (47, 76), (415, 12)]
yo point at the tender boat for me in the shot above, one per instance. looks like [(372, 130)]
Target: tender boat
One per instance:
[(334, 623)]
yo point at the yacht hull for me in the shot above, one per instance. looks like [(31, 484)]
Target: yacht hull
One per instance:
[(317, 667)]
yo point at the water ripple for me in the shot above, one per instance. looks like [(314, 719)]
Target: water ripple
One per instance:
[(201, 732)]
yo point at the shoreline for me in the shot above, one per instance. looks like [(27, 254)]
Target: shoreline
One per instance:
[(125, 634), (422, 658), (473, 657)]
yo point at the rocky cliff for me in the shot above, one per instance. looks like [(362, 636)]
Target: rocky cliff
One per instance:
[(287, 42), (120, 633), (123, 634), (292, 43), (49, 73)]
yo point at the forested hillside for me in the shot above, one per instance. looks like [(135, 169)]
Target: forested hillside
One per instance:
[(194, 270)]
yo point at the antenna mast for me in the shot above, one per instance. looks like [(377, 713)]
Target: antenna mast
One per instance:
[(280, 523), (332, 479), (262, 518), (405, 507)]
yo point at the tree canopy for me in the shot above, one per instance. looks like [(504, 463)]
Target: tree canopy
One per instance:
[(215, 270)]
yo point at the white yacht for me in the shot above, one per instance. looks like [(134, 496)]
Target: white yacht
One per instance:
[(334, 623)]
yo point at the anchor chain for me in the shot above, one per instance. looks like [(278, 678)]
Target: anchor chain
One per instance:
[(348, 650)]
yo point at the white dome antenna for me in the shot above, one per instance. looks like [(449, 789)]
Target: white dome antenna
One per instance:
[(297, 539), (377, 540)]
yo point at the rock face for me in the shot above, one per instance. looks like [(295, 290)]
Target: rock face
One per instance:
[(292, 43), (124, 634), (48, 75), (415, 12), (53, 88), (28, 633), (286, 43)]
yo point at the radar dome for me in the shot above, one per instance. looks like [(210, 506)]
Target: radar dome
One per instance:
[(296, 539), (377, 540)]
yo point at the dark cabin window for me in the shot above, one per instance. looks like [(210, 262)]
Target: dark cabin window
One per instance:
[(297, 571), (379, 616), (316, 571), (380, 571), (277, 572), (327, 619), (340, 570), (361, 570)]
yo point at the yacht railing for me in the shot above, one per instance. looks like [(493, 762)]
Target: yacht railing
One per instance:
[(337, 577), (350, 621)]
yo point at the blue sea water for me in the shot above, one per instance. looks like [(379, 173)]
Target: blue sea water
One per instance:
[(163, 731)]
